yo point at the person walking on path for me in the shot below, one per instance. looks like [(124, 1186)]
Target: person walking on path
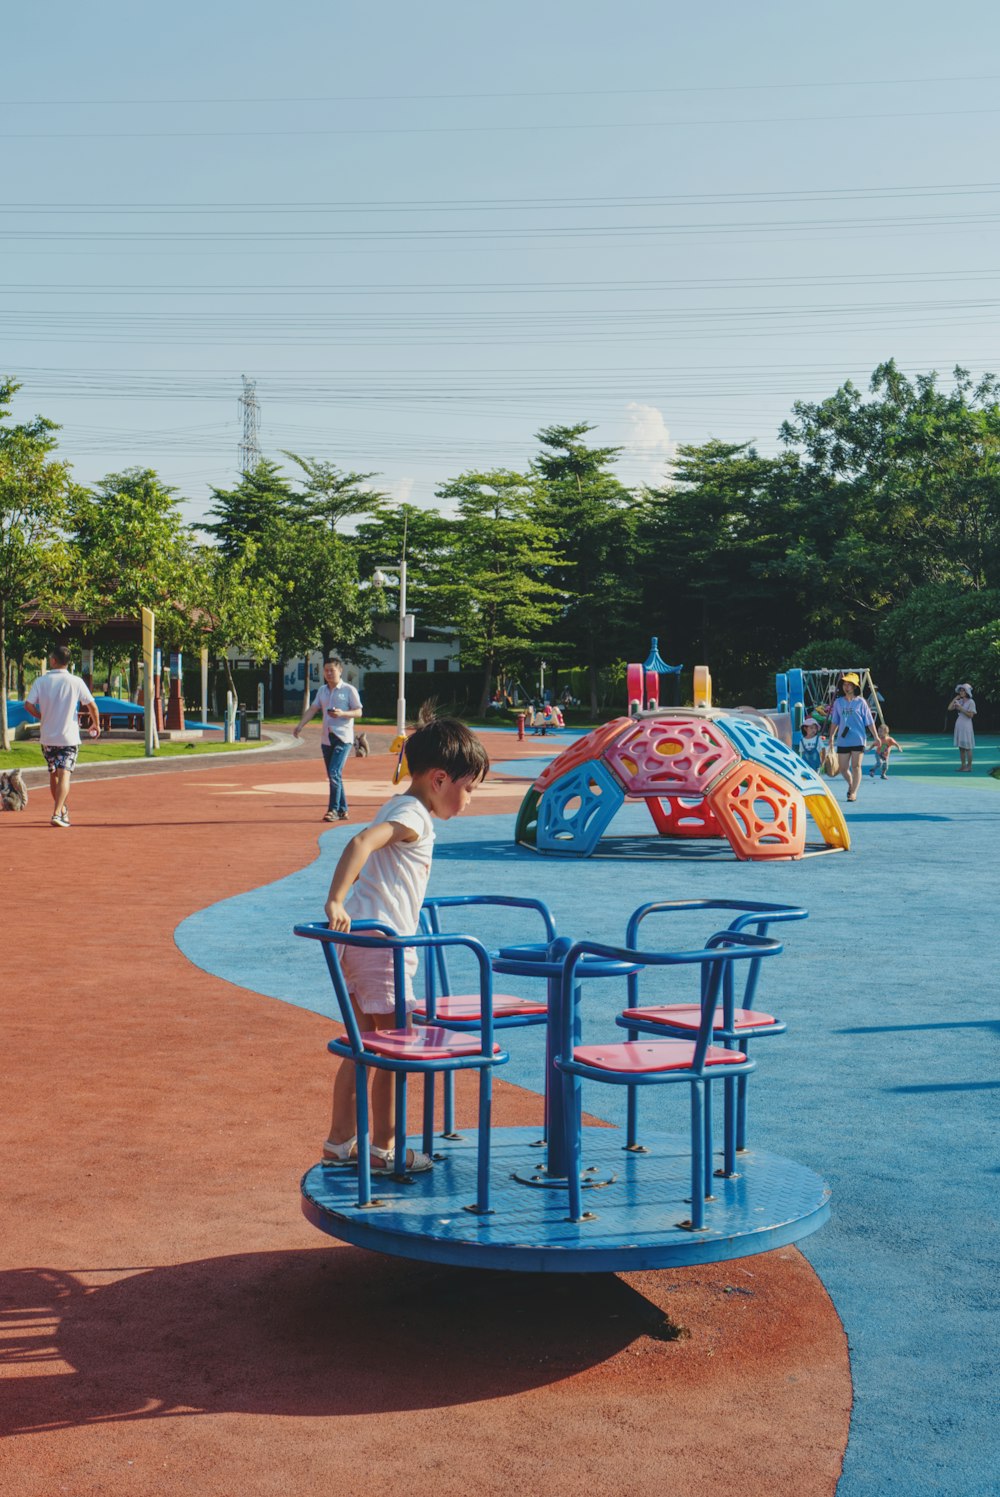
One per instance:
[(851, 721), (55, 700), (965, 738), (340, 705)]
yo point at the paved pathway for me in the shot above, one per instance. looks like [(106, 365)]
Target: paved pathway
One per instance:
[(170, 1325)]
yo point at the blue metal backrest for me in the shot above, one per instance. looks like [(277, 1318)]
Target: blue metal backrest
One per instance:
[(752, 913), (371, 936), (430, 922), (717, 955)]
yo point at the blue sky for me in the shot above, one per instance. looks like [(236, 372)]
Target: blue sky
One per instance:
[(428, 231)]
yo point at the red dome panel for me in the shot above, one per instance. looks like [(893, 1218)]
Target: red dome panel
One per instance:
[(670, 756)]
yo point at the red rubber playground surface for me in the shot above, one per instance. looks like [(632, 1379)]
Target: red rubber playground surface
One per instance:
[(170, 1324)]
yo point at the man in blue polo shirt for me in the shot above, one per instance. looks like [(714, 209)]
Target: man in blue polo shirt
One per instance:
[(55, 699), (340, 705)]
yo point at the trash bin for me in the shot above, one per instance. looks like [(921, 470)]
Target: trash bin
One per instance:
[(250, 727)]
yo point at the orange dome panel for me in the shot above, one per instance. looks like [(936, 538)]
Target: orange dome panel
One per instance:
[(761, 813)]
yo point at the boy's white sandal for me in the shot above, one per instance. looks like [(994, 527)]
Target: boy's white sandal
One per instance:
[(416, 1163), (341, 1156)]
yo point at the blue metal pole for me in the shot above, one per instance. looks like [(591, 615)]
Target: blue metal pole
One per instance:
[(574, 1143), (400, 1140), (428, 1139), (632, 1109), (697, 1159), (364, 1135), (555, 1120), (485, 1124)]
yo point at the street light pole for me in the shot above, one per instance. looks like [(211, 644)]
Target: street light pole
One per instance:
[(401, 697), (406, 623)]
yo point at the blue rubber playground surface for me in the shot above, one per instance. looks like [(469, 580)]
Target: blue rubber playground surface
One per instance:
[(885, 1083)]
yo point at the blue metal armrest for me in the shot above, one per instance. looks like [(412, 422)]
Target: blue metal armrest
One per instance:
[(447, 1055), (620, 1064)]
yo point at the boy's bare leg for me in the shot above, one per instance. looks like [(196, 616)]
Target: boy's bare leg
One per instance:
[(343, 1123)]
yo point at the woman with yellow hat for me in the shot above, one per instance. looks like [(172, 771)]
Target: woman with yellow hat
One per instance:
[(851, 721)]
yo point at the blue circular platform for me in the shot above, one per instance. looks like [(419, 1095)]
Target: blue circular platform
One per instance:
[(637, 1218)]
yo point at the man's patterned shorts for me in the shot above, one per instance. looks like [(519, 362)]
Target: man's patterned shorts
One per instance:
[(60, 755)]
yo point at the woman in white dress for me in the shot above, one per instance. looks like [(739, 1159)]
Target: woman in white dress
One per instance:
[(965, 738)]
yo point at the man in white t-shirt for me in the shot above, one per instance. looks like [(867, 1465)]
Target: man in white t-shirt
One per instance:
[(55, 699), (340, 705)]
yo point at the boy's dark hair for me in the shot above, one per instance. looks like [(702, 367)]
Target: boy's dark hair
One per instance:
[(447, 744), (60, 654)]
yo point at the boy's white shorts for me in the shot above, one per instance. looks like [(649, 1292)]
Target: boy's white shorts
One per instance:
[(368, 975)]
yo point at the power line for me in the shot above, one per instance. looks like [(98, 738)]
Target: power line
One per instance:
[(564, 93), (507, 288), (532, 129), (456, 235), (505, 204)]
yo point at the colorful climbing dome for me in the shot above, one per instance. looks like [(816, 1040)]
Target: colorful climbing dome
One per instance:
[(703, 773)]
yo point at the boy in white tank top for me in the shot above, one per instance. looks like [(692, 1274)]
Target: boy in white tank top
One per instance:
[(382, 875)]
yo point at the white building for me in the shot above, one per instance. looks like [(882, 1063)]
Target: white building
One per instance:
[(438, 655)]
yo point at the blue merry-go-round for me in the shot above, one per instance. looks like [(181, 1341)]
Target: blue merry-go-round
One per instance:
[(578, 1198)]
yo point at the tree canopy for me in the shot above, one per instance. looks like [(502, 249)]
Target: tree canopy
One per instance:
[(874, 528)]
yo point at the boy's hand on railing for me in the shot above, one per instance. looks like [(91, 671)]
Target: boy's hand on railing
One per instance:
[(337, 916)]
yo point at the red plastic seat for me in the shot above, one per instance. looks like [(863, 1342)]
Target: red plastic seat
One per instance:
[(428, 1043), (637, 1058), (688, 1016), (467, 1007)]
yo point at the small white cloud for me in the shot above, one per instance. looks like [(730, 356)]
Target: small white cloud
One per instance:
[(648, 447), (400, 489)]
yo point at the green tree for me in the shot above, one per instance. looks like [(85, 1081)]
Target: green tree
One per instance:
[(491, 582), (944, 634), (289, 546), (135, 550), (712, 549), (426, 538), (331, 495), (899, 488), (33, 499), (592, 516), (826, 654), (320, 604), (251, 511), (238, 609)]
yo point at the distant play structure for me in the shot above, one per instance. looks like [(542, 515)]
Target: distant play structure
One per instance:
[(809, 695), (701, 771), (736, 774), (643, 681)]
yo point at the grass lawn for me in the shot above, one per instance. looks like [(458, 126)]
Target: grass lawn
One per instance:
[(28, 755)]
